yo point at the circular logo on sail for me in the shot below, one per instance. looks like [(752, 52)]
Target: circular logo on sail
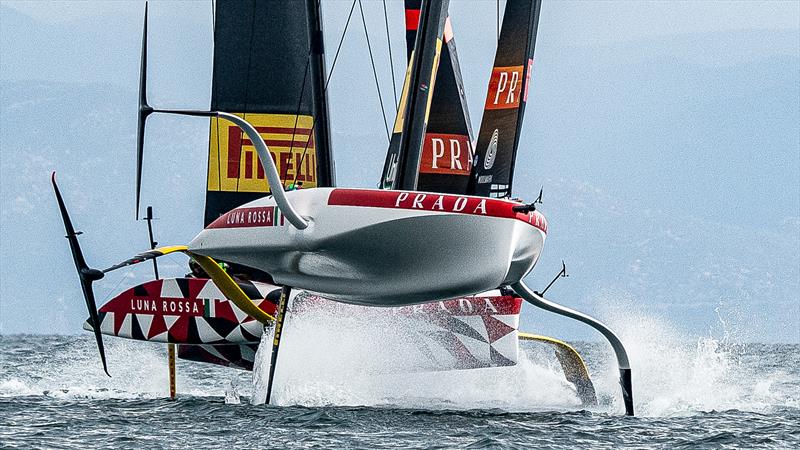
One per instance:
[(491, 151)]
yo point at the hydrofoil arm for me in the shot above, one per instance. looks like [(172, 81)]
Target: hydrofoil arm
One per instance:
[(147, 256), (224, 282), (622, 356)]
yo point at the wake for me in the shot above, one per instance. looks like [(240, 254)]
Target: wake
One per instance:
[(336, 357)]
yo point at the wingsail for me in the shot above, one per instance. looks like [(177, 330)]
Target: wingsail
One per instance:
[(269, 69), (446, 158), (402, 167), (498, 138)]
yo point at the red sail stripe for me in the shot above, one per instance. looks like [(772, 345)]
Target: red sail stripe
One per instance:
[(281, 143), (412, 19), (285, 130)]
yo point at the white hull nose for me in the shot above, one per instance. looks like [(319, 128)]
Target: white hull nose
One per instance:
[(383, 248)]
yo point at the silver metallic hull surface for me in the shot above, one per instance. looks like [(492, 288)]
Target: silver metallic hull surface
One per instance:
[(378, 256)]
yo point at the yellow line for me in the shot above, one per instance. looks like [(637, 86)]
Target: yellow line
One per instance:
[(557, 343), (170, 249), (230, 289)]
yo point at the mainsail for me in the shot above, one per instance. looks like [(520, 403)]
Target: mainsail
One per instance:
[(498, 138), (447, 151), (269, 69), (402, 167)]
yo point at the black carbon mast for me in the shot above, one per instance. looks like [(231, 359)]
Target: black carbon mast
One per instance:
[(402, 166), (446, 159)]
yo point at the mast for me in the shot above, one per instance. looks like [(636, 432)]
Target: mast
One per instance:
[(447, 150), (401, 169), (498, 139), (326, 171)]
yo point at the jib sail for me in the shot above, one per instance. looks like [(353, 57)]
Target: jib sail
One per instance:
[(447, 150), (498, 138), (268, 68), (402, 167)]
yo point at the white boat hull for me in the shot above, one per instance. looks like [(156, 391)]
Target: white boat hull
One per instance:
[(381, 248)]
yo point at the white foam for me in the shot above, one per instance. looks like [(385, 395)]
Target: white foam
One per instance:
[(675, 374), (341, 355), (73, 370)]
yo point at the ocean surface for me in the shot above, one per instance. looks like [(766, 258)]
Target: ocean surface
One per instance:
[(689, 393)]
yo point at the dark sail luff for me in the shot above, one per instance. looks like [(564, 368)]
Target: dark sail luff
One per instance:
[(498, 139), (326, 169), (402, 163), (412, 15), (267, 67), (447, 150)]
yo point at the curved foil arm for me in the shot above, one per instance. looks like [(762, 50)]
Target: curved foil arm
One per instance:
[(230, 289), (147, 256), (224, 282), (622, 356), (270, 170)]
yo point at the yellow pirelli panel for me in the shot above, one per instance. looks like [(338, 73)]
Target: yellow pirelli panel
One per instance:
[(233, 164)]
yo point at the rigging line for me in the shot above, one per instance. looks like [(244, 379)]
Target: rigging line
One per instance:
[(391, 59), (374, 72), (214, 121), (121, 279), (297, 118), (341, 41), (246, 89), (328, 79)]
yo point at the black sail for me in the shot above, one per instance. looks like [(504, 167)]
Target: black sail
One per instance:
[(402, 166), (498, 139), (269, 69), (446, 156)]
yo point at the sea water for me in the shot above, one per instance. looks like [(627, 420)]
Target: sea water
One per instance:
[(340, 384)]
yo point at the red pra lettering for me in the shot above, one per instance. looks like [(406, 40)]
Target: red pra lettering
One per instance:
[(504, 88), (455, 154), (501, 86), (444, 154), (400, 199), (418, 201), (514, 81)]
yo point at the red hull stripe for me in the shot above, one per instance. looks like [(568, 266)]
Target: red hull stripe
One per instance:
[(435, 202)]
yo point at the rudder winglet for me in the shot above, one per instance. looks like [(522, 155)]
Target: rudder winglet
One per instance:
[(573, 365)]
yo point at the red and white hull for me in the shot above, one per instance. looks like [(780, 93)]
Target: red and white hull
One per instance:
[(464, 333), (381, 248)]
